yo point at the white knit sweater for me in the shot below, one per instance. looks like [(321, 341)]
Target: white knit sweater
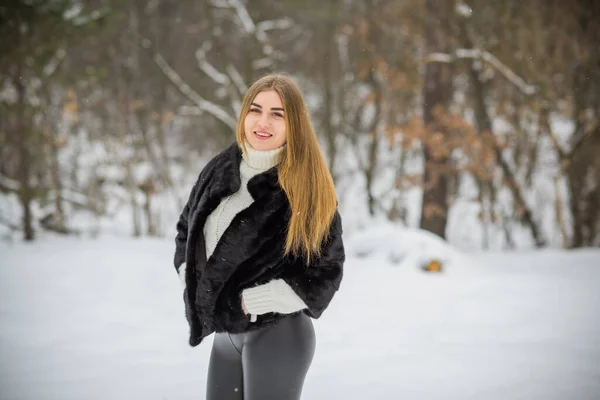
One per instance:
[(252, 163), (276, 295)]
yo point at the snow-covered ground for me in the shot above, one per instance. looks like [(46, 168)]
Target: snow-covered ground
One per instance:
[(103, 319)]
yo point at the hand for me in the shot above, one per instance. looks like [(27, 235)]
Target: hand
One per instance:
[(244, 307), (182, 275)]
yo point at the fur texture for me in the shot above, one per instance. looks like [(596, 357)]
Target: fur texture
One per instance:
[(249, 253)]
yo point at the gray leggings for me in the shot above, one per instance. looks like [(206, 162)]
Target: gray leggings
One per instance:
[(270, 363)]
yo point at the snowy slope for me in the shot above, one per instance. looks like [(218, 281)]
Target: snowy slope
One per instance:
[(103, 319)]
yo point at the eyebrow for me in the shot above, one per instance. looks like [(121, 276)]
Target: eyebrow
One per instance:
[(272, 108)]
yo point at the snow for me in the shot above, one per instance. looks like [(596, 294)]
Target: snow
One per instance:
[(463, 10), (404, 248), (103, 319), (283, 23), (10, 210), (73, 12)]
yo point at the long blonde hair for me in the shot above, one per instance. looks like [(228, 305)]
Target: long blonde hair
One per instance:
[(302, 171)]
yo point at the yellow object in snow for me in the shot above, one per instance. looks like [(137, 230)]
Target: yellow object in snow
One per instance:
[(433, 266)]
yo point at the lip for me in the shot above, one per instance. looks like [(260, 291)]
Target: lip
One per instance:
[(259, 137)]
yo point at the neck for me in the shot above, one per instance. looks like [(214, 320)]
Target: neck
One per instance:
[(262, 160)]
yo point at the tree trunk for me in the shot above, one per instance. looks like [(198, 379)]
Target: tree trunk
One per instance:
[(123, 123), (59, 212), (399, 210), (151, 228), (373, 128), (329, 51), (370, 171), (583, 178), (23, 135), (437, 91)]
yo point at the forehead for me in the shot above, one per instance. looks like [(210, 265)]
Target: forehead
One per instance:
[(268, 99)]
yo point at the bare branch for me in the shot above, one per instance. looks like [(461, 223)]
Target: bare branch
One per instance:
[(243, 15), (342, 41), (95, 15), (581, 138), (190, 111), (509, 74), (207, 67), (221, 3), (566, 155), (54, 62), (237, 79), (202, 104), (562, 155), (284, 23), (259, 31), (439, 57), (490, 59), (264, 62)]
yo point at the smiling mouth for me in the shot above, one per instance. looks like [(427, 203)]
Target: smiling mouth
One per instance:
[(263, 134)]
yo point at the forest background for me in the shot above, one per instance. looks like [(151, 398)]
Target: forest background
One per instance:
[(477, 121)]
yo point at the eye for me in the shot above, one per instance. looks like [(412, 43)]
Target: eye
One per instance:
[(278, 115), (255, 110)]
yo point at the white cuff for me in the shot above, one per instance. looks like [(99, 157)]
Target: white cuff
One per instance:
[(274, 296), (182, 275)]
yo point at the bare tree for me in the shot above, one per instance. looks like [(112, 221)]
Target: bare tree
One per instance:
[(437, 92)]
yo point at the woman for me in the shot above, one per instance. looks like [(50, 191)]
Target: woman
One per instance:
[(262, 241)]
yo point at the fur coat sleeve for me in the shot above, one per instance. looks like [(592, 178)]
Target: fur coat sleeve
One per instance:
[(181, 237), (317, 283), (183, 223)]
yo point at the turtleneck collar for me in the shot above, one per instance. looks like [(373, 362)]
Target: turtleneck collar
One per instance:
[(262, 160)]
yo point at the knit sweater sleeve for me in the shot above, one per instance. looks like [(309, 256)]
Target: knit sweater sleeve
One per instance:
[(273, 296), (301, 286)]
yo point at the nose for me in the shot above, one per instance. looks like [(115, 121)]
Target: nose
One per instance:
[(263, 121)]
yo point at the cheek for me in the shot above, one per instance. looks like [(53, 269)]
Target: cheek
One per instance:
[(281, 128), (248, 123)]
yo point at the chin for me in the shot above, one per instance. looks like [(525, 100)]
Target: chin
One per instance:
[(263, 145)]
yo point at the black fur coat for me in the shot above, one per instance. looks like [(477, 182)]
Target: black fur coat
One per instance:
[(249, 253)]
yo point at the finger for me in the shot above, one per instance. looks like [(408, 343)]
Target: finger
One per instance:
[(244, 307)]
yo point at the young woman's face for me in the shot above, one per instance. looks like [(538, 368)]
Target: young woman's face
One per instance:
[(264, 124)]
